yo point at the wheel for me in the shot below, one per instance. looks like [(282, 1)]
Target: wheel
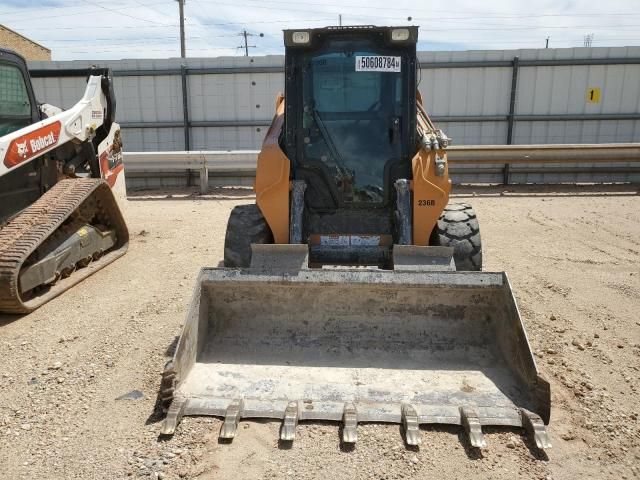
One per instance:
[(458, 227), (246, 226)]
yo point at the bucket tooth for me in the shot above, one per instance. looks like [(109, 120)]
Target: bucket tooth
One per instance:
[(411, 425), (174, 415), (290, 422), (534, 425), (231, 419), (350, 420), (471, 423)]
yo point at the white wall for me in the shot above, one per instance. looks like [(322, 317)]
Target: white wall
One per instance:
[(457, 92)]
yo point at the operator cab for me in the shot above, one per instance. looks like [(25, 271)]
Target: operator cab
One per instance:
[(355, 133), (18, 107), (350, 133)]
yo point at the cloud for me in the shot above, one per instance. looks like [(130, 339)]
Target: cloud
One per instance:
[(21, 4), (103, 29)]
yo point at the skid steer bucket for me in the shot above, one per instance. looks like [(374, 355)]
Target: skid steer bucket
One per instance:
[(353, 345)]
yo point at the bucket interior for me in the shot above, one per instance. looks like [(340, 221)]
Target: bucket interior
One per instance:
[(435, 346)]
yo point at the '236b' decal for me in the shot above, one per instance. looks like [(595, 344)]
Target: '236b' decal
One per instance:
[(426, 203)]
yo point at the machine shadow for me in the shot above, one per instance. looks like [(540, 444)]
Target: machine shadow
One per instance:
[(186, 193), (6, 319), (532, 190)]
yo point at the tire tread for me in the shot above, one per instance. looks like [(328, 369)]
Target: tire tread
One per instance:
[(458, 227), (246, 225)]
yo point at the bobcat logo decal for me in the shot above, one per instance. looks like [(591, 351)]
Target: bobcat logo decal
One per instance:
[(33, 144), (23, 151)]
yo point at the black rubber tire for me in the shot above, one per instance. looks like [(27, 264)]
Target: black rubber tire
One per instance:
[(246, 225), (458, 228)]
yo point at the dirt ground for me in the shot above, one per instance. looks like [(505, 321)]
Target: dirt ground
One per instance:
[(573, 258)]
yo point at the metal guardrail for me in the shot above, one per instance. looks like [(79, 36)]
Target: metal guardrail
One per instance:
[(526, 154), (480, 161), (238, 167)]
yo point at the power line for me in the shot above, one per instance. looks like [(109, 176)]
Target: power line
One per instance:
[(137, 27), (368, 6), (89, 12), (22, 10), (533, 40), (147, 6), (500, 26), (118, 12), (341, 6), (151, 40), (266, 5), (137, 40)]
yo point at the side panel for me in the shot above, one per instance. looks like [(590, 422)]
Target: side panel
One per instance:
[(430, 193), (110, 155), (272, 179)]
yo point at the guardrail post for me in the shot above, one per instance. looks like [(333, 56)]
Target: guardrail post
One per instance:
[(185, 106), (204, 175), (512, 112)]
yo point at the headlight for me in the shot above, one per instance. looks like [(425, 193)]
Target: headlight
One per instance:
[(303, 37), (399, 34)]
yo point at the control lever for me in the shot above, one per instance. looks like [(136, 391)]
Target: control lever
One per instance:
[(394, 131)]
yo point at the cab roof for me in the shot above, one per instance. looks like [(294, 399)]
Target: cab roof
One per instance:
[(317, 35)]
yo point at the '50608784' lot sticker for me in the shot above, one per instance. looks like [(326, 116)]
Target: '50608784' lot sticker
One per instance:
[(378, 63)]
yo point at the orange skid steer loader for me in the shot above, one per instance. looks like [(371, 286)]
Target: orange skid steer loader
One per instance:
[(353, 173)]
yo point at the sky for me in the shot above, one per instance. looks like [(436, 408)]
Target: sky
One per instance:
[(115, 29)]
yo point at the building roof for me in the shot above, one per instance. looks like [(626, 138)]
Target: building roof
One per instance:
[(27, 39)]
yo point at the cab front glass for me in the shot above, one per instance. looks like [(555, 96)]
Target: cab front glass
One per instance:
[(15, 107), (352, 115)]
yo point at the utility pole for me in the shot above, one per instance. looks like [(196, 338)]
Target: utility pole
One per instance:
[(588, 40), (547, 44), (183, 48), (246, 45), (340, 19)]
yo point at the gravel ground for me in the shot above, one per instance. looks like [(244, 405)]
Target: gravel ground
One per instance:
[(79, 376)]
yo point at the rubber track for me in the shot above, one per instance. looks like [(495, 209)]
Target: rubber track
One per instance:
[(21, 236)]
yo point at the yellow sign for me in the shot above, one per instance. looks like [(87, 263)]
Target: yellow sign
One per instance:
[(593, 95)]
